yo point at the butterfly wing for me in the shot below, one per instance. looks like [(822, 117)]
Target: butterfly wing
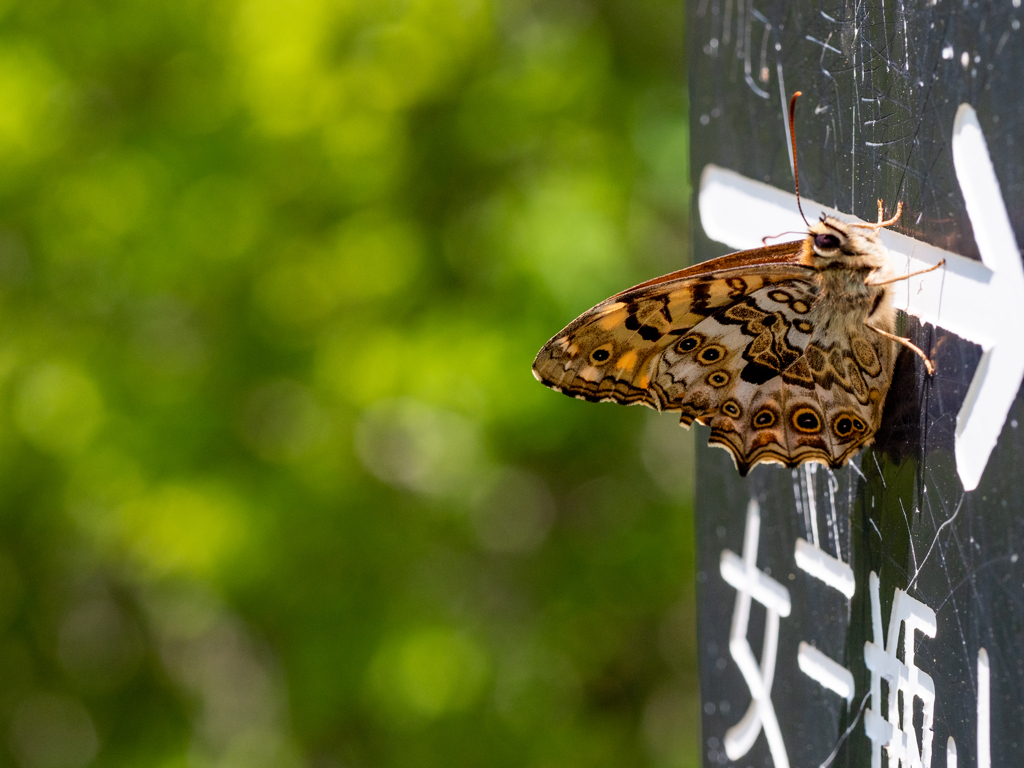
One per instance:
[(612, 352), (732, 343)]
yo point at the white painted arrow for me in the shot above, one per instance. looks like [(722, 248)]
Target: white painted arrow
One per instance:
[(983, 303)]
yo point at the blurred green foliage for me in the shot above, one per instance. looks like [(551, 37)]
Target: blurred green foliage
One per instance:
[(277, 487)]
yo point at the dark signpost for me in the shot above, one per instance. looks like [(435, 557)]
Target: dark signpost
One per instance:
[(873, 615)]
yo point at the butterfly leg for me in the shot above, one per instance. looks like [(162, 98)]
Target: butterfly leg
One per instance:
[(881, 214), (909, 345), (882, 221), (942, 263)]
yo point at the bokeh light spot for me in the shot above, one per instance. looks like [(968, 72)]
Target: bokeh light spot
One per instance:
[(58, 408), (566, 235), (95, 209), (414, 446), (182, 529), (429, 672), (281, 57), (29, 85), (379, 255)]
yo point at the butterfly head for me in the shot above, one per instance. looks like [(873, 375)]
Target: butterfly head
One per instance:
[(832, 243)]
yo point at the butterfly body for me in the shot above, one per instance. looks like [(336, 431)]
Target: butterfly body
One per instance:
[(785, 352)]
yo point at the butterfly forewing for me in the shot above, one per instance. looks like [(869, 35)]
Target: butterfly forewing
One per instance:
[(612, 352)]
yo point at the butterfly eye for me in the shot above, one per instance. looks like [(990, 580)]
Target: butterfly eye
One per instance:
[(826, 242)]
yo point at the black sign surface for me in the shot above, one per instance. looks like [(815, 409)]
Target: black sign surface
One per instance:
[(874, 613)]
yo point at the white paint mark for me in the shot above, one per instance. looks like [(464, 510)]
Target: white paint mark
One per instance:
[(801, 508), (935, 540), (821, 565), (819, 667), (948, 297), (752, 584), (999, 49), (947, 52), (785, 123), (816, 41), (984, 715), (748, 66), (832, 516), (810, 472), (950, 753), (895, 729)]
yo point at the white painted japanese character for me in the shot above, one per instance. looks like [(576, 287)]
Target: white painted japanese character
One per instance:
[(753, 584), (895, 729)]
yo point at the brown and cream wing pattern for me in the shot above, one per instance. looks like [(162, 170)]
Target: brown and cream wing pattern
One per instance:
[(824, 406), (614, 351), (746, 350)]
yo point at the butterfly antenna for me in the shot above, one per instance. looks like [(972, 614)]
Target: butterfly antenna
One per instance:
[(792, 138)]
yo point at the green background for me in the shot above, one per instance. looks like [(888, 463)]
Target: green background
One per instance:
[(277, 487)]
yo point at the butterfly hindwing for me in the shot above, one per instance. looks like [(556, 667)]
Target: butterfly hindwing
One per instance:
[(777, 385)]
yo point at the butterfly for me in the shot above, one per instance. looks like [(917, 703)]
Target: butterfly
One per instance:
[(786, 352)]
